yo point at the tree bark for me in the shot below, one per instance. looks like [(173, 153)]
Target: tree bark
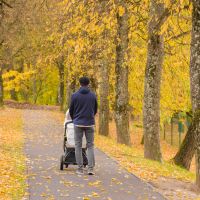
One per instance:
[(104, 74), (13, 95), (35, 89), (189, 145), (164, 131), (70, 89), (1, 14), (104, 102), (122, 97), (61, 69), (172, 131), (151, 107), (142, 141), (1, 88), (195, 79), (191, 141)]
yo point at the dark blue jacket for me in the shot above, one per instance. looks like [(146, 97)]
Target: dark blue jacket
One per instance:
[(83, 107)]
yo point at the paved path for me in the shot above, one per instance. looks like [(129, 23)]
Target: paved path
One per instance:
[(44, 148)]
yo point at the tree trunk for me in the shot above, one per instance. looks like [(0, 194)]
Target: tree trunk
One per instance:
[(191, 141), (195, 78), (104, 102), (142, 141), (151, 108), (93, 84), (122, 97), (1, 88), (104, 74), (1, 41), (197, 160), (71, 87), (172, 131), (61, 68), (1, 14), (34, 83), (13, 95), (34, 89), (188, 146), (164, 131)]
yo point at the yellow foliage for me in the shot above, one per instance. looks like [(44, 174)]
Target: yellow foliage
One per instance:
[(86, 37), (121, 11), (15, 80)]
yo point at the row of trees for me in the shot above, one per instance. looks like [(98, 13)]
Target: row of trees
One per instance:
[(192, 139), (48, 46)]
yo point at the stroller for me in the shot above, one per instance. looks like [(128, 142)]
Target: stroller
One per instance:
[(68, 158)]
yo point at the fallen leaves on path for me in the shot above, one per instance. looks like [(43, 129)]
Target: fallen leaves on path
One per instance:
[(95, 183), (132, 159)]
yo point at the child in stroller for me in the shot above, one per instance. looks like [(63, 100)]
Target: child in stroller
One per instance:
[(69, 145)]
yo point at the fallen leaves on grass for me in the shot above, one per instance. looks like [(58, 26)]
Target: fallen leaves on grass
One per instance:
[(12, 161), (133, 160)]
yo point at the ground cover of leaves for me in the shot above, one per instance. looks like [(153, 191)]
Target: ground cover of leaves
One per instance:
[(44, 146), (12, 159), (172, 181)]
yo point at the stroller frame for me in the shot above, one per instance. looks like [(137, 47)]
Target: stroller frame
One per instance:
[(69, 153)]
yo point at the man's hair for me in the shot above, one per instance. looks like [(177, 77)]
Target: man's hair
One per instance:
[(84, 81)]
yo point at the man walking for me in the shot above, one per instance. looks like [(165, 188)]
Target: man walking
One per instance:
[(82, 110)]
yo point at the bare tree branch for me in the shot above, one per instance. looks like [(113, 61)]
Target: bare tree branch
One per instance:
[(175, 37), (5, 3), (166, 13)]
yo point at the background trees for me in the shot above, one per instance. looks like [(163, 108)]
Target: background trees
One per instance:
[(191, 141), (121, 70), (152, 83), (104, 69), (1, 87)]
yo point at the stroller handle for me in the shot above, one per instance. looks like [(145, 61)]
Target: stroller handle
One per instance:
[(68, 123)]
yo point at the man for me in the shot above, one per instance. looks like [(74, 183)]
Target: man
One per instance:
[(82, 110)]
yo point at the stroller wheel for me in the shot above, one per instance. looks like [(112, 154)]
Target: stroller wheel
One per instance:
[(61, 162)]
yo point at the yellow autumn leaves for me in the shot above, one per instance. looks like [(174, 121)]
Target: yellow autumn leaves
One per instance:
[(12, 160), (86, 39), (15, 80), (121, 11)]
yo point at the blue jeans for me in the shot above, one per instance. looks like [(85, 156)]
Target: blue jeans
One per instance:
[(89, 134)]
